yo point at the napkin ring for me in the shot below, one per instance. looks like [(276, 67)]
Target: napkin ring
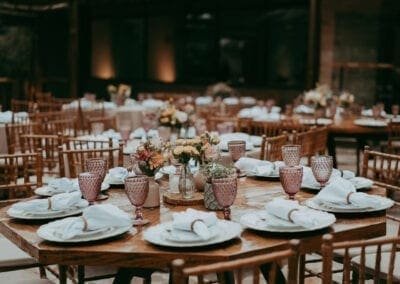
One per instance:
[(348, 197), (49, 204), (289, 215), (85, 223), (193, 222)]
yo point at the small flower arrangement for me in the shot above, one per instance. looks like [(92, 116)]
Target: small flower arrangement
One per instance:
[(172, 117), (118, 94), (319, 96), (216, 170), (150, 158), (184, 153), (346, 99)]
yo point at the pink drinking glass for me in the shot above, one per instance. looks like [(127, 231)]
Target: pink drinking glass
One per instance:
[(237, 149), (137, 189), (291, 155), (90, 185), (321, 167), (225, 190), (98, 166), (291, 178)]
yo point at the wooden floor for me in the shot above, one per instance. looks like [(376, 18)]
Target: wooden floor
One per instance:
[(346, 160)]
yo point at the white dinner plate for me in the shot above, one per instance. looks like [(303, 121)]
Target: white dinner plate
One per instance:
[(319, 121), (46, 215), (49, 191), (228, 230), (271, 223), (187, 236), (48, 233), (370, 122), (336, 208), (359, 183)]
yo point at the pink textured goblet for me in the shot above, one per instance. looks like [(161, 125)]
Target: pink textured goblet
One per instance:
[(137, 189), (98, 166), (89, 184), (321, 167), (291, 178), (225, 190), (237, 149), (291, 155)]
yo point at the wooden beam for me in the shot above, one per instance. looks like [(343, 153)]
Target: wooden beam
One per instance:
[(73, 48), (327, 41), (312, 49)]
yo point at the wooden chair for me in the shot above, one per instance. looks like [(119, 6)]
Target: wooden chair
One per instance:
[(72, 143), (48, 144), (76, 158), (244, 125), (21, 174), (393, 144), (271, 148), (64, 127), (213, 121), (44, 117), (22, 106), (267, 128), (320, 139), (382, 168), (180, 273), (378, 266), (109, 122), (14, 132), (306, 140)]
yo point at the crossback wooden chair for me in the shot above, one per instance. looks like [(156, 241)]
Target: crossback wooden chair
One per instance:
[(75, 159), (109, 122), (320, 139), (73, 143), (48, 144), (214, 121), (382, 168), (64, 127), (271, 147), (393, 144), (44, 117), (380, 266), (244, 125), (306, 140), (22, 105), (267, 128), (21, 174), (14, 132), (181, 273)]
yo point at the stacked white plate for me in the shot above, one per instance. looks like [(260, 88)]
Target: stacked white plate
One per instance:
[(164, 235), (43, 215), (50, 191), (360, 183), (370, 122)]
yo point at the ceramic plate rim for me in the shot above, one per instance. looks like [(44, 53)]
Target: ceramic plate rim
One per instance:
[(13, 213), (116, 232), (314, 205)]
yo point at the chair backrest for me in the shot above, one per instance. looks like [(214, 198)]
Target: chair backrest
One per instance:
[(365, 263), (15, 130), (21, 105), (306, 140), (109, 122), (267, 128), (394, 137), (214, 121), (320, 139), (18, 170), (244, 125), (382, 168), (181, 273), (85, 144), (75, 159), (271, 147), (44, 117), (48, 145), (65, 127)]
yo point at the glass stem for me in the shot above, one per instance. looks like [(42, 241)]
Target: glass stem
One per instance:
[(139, 213), (227, 213)]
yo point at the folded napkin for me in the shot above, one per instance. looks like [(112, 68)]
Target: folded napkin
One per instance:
[(5, 117), (254, 166), (138, 133), (151, 103), (195, 221), (118, 173), (110, 133), (291, 210), (225, 138), (153, 133), (203, 100), (248, 100), (304, 109), (273, 116), (368, 112), (341, 192), (57, 202), (231, 101), (95, 217), (63, 185)]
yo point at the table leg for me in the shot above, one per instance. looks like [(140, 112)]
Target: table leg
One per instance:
[(360, 146), (332, 149), (62, 274)]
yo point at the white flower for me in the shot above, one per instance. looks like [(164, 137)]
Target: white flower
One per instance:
[(181, 116)]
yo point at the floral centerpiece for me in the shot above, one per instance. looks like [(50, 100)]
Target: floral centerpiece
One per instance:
[(319, 96), (346, 99), (149, 158), (170, 116), (119, 94)]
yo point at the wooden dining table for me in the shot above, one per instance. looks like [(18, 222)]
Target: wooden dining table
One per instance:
[(131, 250)]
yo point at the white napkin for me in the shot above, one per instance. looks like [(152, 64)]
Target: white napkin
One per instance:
[(138, 133), (203, 100), (231, 101), (58, 202), (110, 133), (368, 112), (304, 109), (153, 133), (225, 138), (118, 173), (248, 100), (5, 117), (254, 166), (310, 181), (151, 103), (337, 192), (273, 116), (184, 221), (63, 185), (301, 215), (97, 217)]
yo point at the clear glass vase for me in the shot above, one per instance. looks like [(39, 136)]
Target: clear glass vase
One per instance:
[(186, 183)]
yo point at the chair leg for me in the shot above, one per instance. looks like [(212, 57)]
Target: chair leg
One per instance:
[(302, 270), (42, 272), (62, 274), (81, 274)]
